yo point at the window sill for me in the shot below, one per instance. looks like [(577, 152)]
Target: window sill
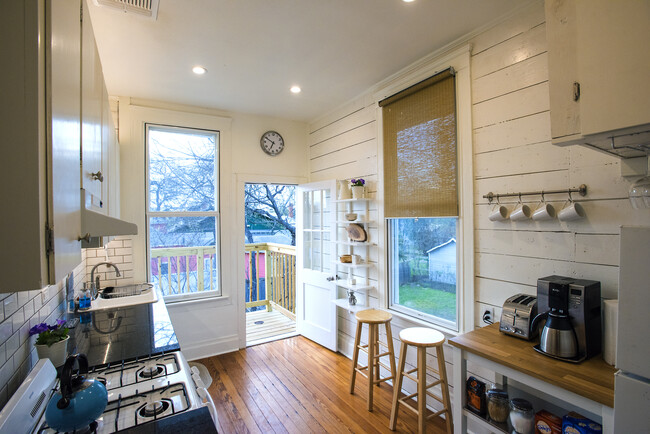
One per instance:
[(422, 323)]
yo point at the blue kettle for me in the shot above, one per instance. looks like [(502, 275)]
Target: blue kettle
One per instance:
[(79, 400)]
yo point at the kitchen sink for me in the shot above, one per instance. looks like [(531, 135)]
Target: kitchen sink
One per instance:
[(125, 295)]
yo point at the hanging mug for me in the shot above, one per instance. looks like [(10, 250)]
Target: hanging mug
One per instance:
[(521, 211), (499, 212), (545, 211), (571, 211)]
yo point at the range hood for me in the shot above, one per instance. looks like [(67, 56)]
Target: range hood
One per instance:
[(95, 224)]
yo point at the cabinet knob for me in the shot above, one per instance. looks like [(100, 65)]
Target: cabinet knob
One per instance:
[(85, 238), (97, 176), (576, 91)]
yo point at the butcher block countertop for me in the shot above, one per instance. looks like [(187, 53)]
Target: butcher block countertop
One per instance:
[(593, 378)]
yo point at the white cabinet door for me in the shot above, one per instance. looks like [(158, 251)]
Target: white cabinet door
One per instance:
[(316, 232), (64, 113), (92, 82)]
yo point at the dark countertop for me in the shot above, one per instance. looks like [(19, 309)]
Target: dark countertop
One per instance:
[(114, 335)]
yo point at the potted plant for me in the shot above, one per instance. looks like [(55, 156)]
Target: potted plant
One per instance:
[(358, 188), (52, 341)]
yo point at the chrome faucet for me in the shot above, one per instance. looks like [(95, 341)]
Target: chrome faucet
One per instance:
[(95, 282)]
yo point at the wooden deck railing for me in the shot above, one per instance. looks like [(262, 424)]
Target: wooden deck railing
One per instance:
[(270, 273), (279, 274), (183, 270)]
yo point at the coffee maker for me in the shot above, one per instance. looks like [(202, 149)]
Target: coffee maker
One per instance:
[(573, 307)]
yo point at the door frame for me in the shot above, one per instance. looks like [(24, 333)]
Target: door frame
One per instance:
[(240, 181)]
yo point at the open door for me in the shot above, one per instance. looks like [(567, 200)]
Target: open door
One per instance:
[(316, 285)]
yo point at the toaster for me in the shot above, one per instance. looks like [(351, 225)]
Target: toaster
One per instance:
[(517, 314)]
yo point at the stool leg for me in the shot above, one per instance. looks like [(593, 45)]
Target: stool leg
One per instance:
[(397, 386), (422, 389), (371, 362), (377, 351), (355, 355), (391, 350), (445, 388)]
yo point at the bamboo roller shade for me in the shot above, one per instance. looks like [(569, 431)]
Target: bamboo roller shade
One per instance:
[(420, 149)]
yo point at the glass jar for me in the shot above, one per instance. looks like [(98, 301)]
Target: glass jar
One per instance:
[(522, 416), (498, 405)]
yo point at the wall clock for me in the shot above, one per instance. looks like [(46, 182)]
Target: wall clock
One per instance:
[(272, 143)]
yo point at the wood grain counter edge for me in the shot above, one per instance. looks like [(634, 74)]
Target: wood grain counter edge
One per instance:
[(593, 378)]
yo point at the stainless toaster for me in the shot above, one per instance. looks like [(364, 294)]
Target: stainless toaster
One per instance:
[(517, 315)]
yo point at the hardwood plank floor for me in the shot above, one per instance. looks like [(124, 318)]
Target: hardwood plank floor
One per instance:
[(297, 386)]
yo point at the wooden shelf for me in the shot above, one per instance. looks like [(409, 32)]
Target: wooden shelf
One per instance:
[(355, 243), (343, 303), (359, 222), (356, 288), (364, 265), (488, 425), (351, 200)]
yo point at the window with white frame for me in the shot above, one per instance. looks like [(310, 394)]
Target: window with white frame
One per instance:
[(422, 206), (183, 211)]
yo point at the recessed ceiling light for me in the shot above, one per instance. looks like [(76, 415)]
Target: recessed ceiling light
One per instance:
[(295, 89), (199, 70), (408, 1)]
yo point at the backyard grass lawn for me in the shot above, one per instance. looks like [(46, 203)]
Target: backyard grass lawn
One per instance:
[(428, 300)]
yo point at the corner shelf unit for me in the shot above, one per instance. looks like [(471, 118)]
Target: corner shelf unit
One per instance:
[(344, 245)]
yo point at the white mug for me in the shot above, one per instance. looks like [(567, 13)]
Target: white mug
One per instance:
[(498, 213), (521, 212), (545, 211), (356, 259), (571, 211)]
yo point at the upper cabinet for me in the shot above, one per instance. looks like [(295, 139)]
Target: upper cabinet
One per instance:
[(599, 92), (94, 137), (40, 124)]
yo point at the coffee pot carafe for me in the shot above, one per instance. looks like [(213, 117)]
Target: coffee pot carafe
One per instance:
[(558, 338)]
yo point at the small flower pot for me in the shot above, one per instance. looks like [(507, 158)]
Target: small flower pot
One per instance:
[(57, 352), (358, 191)]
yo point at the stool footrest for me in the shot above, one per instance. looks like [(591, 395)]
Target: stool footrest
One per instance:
[(413, 409), (435, 371), (437, 398), (385, 366), (411, 371), (409, 396), (438, 413), (435, 383), (411, 377), (381, 380), (387, 353)]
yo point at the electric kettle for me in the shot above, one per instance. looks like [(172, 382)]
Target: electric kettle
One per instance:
[(79, 401)]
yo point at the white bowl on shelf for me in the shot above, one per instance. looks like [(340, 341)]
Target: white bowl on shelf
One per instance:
[(351, 216)]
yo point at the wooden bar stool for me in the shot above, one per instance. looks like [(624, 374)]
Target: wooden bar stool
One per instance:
[(373, 318), (422, 338)]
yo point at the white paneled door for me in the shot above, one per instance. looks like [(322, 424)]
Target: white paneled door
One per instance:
[(316, 274)]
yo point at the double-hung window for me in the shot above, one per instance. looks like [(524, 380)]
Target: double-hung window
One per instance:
[(421, 204), (183, 211)]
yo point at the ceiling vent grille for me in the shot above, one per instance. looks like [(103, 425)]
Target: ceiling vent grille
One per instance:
[(143, 8)]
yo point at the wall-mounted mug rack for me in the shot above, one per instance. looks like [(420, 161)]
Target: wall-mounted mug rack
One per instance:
[(582, 190)]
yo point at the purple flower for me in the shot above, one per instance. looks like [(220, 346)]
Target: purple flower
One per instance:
[(38, 328), (357, 182)]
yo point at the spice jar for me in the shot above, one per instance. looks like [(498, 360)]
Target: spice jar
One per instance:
[(522, 416), (498, 405)]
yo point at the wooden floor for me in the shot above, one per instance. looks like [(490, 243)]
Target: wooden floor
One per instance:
[(296, 386), (274, 324)]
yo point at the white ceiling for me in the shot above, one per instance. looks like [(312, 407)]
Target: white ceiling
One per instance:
[(255, 50)]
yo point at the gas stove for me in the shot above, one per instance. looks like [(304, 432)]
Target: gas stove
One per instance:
[(139, 391)]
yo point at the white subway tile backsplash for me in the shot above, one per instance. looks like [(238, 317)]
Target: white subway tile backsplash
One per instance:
[(3, 354), (6, 371), (10, 304), (12, 344), (18, 319), (23, 297), (6, 329), (122, 252)]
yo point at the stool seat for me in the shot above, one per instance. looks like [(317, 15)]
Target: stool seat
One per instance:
[(373, 316), (421, 337)]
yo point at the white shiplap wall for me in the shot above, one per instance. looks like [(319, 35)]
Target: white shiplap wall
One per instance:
[(512, 152)]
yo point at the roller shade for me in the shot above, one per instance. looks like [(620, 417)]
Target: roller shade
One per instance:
[(420, 173)]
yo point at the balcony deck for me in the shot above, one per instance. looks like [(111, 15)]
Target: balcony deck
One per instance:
[(275, 326)]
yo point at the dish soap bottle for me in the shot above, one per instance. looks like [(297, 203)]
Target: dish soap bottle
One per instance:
[(84, 299)]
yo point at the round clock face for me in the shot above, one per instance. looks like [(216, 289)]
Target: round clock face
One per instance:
[(272, 143)]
